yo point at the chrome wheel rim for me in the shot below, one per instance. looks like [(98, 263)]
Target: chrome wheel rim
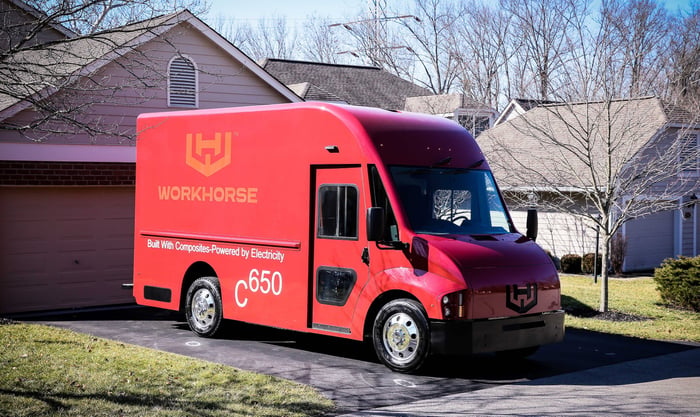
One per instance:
[(401, 337), (203, 309)]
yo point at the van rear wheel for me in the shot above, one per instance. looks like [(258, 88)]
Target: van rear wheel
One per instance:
[(203, 308), (401, 335)]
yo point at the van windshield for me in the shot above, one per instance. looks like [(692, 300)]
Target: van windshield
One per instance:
[(451, 201)]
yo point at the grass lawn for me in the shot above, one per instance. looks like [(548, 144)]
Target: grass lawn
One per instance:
[(634, 297), (46, 371)]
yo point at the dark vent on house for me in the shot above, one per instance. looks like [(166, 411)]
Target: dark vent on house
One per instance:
[(182, 83)]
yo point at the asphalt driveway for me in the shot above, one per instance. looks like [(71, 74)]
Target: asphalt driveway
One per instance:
[(347, 371)]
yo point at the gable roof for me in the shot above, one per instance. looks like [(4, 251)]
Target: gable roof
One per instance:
[(555, 144), (26, 15), (518, 106), (355, 85), (446, 105), (50, 65)]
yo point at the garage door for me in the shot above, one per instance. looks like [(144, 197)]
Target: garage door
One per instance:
[(64, 247), (649, 241)]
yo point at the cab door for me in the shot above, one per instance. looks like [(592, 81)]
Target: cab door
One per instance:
[(340, 268)]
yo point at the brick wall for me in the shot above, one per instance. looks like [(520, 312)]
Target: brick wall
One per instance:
[(66, 173)]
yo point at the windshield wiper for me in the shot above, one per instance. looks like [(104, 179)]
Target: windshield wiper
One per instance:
[(476, 164), (442, 162)]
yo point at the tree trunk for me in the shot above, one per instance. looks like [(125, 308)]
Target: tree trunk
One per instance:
[(604, 274)]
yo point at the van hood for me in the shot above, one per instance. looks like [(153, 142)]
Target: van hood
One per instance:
[(494, 268), (488, 251)]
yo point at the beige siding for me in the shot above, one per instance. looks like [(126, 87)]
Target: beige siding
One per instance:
[(223, 82), (559, 233)]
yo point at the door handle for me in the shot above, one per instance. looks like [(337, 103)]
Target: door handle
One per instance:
[(365, 255)]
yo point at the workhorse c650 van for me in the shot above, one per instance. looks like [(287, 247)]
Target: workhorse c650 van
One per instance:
[(345, 221)]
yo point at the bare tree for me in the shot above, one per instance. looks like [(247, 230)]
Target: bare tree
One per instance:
[(429, 38), (639, 29), (595, 156), (543, 26), (482, 49), (684, 76), (51, 59), (320, 42), (269, 37), (600, 161), (90, 16), (412, 42), (375, 43)]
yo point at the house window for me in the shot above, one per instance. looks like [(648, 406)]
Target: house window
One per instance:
[(474, 123), (690, 153), (182, 83)]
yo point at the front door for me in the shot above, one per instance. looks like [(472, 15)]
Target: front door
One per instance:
[(339, 271)]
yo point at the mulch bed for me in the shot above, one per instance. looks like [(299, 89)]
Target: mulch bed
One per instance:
[(609, 315)]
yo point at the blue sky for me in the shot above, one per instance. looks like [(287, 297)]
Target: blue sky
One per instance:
[(298, 10), (293, 10)]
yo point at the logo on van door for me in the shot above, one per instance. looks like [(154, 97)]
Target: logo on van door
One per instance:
[(208, 156), (521, 300)]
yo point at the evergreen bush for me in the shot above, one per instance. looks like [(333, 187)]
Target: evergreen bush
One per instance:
[(678, 281), (587, 263), (571, 264)]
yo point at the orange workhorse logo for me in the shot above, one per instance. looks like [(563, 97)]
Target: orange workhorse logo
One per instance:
[(208, 155)]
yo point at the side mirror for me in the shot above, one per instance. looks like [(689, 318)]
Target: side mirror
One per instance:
[(375, 224), (531, 224)]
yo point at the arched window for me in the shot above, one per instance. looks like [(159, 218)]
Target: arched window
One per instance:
[(182, 83)]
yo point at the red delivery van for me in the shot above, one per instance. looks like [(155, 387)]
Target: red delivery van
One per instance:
[(346, 221)]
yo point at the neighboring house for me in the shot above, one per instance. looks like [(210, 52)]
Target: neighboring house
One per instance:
[(474, 116), (18, 19), (374, 87), (517, 107), (349, 84), (67, 198), (646, 133)]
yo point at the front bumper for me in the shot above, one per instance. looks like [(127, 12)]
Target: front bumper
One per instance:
[(494, 335)]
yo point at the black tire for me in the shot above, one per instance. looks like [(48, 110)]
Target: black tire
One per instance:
[(401, 335), (203, 308)]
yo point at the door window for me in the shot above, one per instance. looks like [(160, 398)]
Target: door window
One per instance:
[(338, 211)]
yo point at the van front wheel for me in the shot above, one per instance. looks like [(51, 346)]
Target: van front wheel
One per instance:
[(401, 335), (203, 308)]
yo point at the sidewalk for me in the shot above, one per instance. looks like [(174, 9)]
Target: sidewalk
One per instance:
[(666, 385)]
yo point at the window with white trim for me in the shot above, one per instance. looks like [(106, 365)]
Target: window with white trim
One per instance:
[(689, 158), (182, 83), (475, 122)]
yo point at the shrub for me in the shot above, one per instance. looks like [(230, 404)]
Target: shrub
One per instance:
[(571, 264), (587, 263), (618, 249), (678, 281)]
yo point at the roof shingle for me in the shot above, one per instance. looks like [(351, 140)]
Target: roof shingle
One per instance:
[(568, 145), (355, 85)]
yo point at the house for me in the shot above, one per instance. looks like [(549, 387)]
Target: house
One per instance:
[(18, 19), (517, 107), (374, 87), (561, 151), (474, 116), (67, 193), (348, 84)]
